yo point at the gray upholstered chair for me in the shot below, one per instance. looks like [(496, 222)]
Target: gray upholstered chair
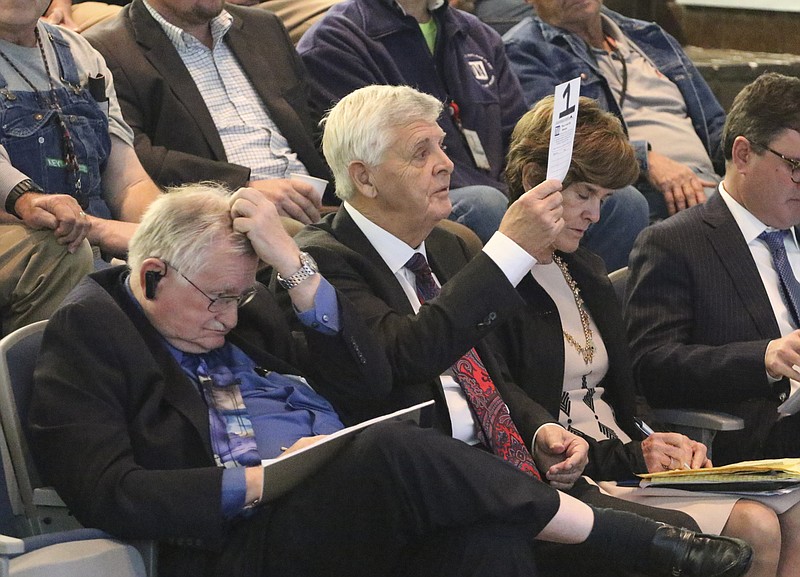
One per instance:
[(49, 541)]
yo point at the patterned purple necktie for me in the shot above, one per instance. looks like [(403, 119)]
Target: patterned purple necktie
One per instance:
[(497, 430), (789, 285)]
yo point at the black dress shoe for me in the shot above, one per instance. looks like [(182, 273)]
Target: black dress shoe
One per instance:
[(680, 552)]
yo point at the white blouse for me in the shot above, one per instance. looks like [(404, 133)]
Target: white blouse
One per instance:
[(582, 409)]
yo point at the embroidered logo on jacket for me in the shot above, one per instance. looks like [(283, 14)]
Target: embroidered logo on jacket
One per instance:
[(481, 68)]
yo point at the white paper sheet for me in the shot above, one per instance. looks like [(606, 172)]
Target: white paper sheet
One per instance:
[(562, 131)]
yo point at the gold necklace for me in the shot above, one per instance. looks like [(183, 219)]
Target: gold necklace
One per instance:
[(586, 351)]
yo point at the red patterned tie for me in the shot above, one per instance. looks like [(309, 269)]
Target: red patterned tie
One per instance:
[(497, 430)]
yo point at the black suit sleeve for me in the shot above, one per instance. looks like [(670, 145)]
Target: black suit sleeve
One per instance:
[(420, 347), (349, 368), (611, 460)]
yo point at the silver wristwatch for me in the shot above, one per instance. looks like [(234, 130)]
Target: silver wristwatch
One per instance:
[(308, 269)]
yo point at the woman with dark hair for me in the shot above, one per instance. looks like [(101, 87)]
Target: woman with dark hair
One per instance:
[(568, 347)]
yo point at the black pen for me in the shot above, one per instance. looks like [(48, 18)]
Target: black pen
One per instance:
[(645, 430)]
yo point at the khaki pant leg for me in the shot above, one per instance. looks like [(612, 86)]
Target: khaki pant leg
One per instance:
[(87, 14), (298, 15), (36, 273)]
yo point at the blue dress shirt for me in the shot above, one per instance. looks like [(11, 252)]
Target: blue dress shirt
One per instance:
[(282, 408)]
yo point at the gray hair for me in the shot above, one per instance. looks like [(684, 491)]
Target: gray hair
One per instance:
[(183, 224), (359, 127)]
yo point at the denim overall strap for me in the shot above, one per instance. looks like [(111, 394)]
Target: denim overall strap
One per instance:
[(67, 70), (4, 92)]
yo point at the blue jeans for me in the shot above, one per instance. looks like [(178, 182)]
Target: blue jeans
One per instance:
[(622, 217), (480, 208)]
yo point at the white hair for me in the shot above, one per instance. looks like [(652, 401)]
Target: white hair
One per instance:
[(182, 225), (359, 127)]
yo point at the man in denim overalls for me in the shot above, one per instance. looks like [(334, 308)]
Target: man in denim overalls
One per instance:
[(68, 171)]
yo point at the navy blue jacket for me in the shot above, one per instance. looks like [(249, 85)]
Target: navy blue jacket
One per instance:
[(363, 42)]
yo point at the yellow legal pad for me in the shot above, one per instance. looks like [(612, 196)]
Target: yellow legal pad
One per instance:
[(763, 475)]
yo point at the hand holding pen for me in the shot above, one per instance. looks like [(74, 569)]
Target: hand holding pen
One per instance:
[(668, 451)]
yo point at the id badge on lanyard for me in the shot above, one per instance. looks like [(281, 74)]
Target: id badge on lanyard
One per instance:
[(470, 137)]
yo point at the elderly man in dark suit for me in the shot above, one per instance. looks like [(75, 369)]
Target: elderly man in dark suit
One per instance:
[(395, 194), (711, 310), (215, 92)]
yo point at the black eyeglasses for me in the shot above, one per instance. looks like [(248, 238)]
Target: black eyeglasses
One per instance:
[(795, 164), (222, 302)]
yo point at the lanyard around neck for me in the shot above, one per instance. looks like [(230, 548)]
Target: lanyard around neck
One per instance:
[(616, 54)]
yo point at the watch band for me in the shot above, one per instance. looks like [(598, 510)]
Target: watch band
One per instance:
[(308, 269), (21, 188)]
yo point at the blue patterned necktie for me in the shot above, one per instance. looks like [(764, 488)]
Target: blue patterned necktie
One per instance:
[(790, 288), (231, 430), (497, 430)]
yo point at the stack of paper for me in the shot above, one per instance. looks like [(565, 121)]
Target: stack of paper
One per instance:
[(748, 476)]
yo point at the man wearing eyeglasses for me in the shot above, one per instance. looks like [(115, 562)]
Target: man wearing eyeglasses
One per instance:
[(713, 294)]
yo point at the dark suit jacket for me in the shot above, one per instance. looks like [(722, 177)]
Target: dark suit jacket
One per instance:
[(699, 322), (123, 434), (476, 297), (533, 348), (175, 136)]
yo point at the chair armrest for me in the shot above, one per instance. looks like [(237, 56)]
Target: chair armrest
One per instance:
[(133, 559), (47, 497), (78, 559), (699, 419), (11, 545), (35, 542)]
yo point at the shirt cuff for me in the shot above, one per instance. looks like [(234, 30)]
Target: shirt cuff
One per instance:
[(234, 490), (513, 260), (324, 316)]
